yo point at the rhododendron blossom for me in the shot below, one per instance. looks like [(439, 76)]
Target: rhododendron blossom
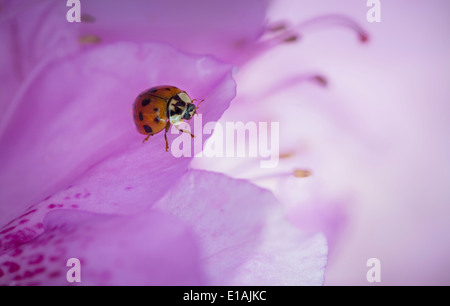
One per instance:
[(77, 181), (318, 123)]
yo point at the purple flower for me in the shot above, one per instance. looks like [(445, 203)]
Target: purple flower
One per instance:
[(373, 134), (77, 182)]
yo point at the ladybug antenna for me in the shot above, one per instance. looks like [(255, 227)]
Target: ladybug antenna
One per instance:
[(196, 107)]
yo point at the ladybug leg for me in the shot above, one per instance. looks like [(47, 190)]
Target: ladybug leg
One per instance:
[(165, 135), (146, 138), (185, 131)]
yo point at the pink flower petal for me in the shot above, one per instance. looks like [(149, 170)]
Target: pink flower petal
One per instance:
[(227, 29), (32, 33), (78, 114), (149, 249), (244, 237), (35, 32)]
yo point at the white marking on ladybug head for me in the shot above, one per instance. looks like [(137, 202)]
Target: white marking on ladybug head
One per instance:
[(184, 97)]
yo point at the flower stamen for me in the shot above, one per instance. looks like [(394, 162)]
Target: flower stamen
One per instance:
[(87, 18), (334, 20), (89, 39), (291, 34), (276, 27), (298, 173), (302, 173)]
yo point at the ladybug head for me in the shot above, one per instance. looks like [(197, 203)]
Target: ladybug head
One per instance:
[(191, 110)]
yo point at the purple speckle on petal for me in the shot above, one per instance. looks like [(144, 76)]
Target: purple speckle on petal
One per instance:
[(35, 259), (28, 213), (12, 266), (16, 252), (54, 258), (7, 230), (55, 274)]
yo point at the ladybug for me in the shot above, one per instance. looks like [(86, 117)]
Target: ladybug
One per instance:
[(155, 109)]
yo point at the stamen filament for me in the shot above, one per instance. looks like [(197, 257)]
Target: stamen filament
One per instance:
[(298, 173), (332, 20)]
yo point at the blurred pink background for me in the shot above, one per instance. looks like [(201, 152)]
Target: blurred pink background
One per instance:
[(386, 140)]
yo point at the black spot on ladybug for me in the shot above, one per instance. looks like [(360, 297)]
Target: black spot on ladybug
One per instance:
[(156, 109), (168, 89), (177, 111), (141, 117), (157, 119), (152, 90), (180, 104), (147, 129), (145, 102)]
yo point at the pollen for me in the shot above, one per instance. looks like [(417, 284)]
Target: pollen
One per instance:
[(291, 38), (89, 39), (286, 155), (277, 27), (321, 80), (302, 173), (87, 18)]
